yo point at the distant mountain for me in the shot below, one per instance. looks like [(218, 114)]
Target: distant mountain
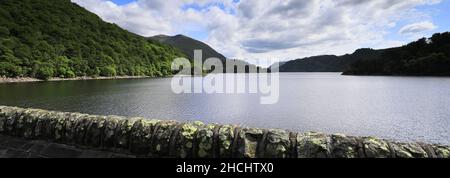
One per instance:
[(187, 45), (328, 63), (424, 57), (57, 38), (278, 64)]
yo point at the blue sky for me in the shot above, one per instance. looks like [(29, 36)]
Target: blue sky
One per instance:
[(439, 15), (442, 15), (122, 2), (281, 29), (196, 33)]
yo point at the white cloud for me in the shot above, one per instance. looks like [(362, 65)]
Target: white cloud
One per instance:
[(268, 29), (417, 28)]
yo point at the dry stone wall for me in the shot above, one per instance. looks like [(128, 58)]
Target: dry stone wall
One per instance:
[(156, 138)]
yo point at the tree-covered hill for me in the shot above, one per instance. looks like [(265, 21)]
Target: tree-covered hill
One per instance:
[(187, 45), (426, 56), (423, 57), (328, 63), (57, 38)]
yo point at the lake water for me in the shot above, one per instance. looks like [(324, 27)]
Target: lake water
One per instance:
[(399, 108)]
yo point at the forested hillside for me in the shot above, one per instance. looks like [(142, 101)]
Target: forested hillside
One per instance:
[(328, 63), (423, 57), (426, 56), (187, 45), (57, 38)]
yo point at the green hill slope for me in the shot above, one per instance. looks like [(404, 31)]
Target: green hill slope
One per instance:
[(57, 38), (427, 57), (423, 57), (187, 45)]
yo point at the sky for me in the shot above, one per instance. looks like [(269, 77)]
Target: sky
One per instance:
[(258, 30)]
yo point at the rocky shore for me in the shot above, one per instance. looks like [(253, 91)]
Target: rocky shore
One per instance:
[(29, 79)]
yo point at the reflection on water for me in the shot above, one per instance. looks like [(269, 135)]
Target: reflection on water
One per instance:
[(401, 108)]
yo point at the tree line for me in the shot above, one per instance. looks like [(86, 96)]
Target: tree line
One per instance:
[(426, 56)]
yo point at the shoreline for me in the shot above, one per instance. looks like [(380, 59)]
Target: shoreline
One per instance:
[(5, 80)]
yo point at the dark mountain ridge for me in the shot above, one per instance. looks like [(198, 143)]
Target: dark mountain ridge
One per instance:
[(328, 63), (187, 45), (426, 56)]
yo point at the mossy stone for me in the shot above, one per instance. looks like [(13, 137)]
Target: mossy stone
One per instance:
[(313, 145)]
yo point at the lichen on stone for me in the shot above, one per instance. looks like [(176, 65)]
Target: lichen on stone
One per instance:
[(415, 150), (41, 125), (122, 132), (110, 131), (441, 151), (3, 112), (20, 121), (312, 145), (82, 125), (277, 144), (12, 118), (185, 140), (188, 131), (198, 123), (94, 132), (376, 148), (226, 137), (248, 142), (30, 122), (70, 127), (343, 146), (6, 118), (60, 122), (140, 136), (205, 141), (161, 138), (400, 151)]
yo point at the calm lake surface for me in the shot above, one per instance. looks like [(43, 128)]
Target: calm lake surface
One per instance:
[(399, 108)]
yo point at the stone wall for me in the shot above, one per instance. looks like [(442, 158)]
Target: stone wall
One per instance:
[(16, 147), (155, 138)]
